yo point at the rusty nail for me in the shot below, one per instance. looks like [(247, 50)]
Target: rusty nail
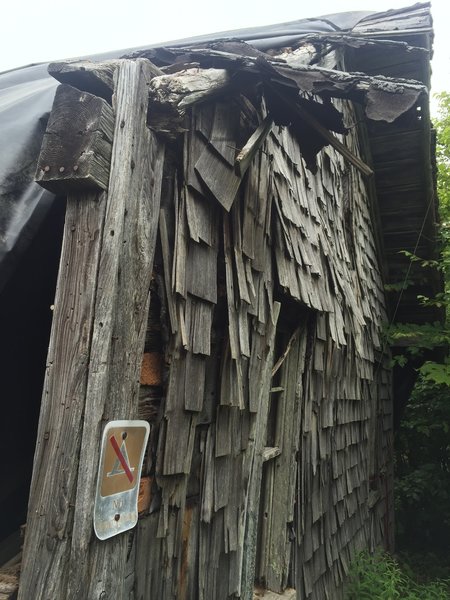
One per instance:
[(116, 517)]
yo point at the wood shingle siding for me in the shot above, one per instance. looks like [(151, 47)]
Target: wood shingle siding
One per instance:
[(226, 284)]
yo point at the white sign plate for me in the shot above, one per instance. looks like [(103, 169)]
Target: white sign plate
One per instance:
[(121, 457)]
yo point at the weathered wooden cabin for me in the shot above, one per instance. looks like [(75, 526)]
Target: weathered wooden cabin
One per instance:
[(231, 209)]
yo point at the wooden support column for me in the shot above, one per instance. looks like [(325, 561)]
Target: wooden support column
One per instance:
[(254, 455), (95, 356)]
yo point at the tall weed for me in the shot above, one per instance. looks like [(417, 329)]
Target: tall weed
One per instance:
[(379, 577)]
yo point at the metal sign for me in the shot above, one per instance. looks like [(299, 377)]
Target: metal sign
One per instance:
[(121, 456)]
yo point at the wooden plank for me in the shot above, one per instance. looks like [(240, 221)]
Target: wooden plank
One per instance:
[(167, 268), (120, 314), (188, 87), (201, 271), (47, 539), (194, 384), (283, 470), (253, 458), (252, 147), (76, 149), (75, 564), (88, 76), (219, 178)]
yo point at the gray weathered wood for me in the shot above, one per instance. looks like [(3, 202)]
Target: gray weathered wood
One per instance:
[(185, 88), (53, 487), (120, 317), (94, 358), (251, 148), (93, 77), (254, 457), (88, 76), (76, 149)]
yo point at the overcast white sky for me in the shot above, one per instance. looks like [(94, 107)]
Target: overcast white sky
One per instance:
[(42, 30)]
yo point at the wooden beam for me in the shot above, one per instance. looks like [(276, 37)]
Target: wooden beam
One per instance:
[(121, 314), (253, 459), (88, 76), (95, 78), (251, 148), (53, 486), (186, 88), (171, 95), (301, 113), (76, 149), (95, 356)]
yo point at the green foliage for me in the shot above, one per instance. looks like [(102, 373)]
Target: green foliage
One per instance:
[(423, 440), (426, 264), (423, 471), (380, 577), (438, 373), (442, 125), (418, 338)]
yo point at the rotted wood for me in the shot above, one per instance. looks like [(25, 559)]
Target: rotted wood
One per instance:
[(95, 356), (188, 87), (76, 149), (171, 95), (93, 77), (302, 113)]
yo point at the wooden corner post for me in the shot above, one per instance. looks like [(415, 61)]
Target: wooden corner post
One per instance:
[(99, 322)]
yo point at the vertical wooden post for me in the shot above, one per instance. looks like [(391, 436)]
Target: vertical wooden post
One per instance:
[(94, 358), (254, 457)]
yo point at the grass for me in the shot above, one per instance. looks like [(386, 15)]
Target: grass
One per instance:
[(380, 577)]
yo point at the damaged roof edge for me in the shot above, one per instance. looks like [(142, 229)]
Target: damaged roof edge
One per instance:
[(26, 95)]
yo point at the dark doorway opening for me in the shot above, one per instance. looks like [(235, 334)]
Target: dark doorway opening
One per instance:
[(25, 322)]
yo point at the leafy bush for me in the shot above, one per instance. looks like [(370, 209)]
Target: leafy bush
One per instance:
[(423, 472), (380, 577)]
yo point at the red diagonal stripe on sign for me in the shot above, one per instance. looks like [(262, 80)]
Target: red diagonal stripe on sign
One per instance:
[(121, 458)]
